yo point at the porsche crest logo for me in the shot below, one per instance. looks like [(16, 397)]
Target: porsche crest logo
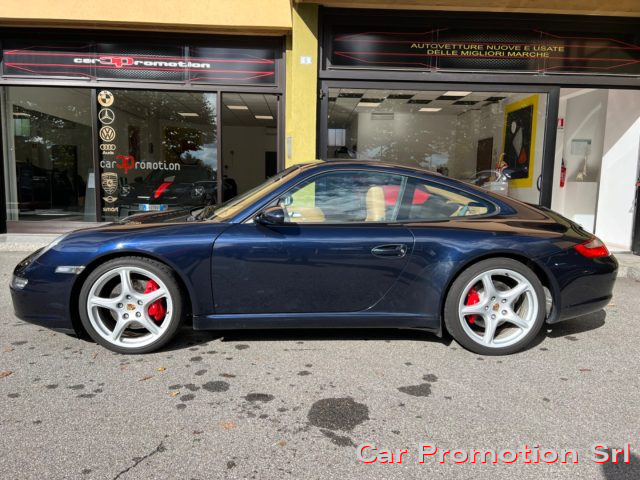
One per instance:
[(109, 181)]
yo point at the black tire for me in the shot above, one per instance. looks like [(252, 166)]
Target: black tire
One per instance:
[(452, 319), (163, 272)]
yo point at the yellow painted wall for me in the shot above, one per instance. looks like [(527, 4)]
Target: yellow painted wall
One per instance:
[(301, 86), (236, 16), (576, 7)]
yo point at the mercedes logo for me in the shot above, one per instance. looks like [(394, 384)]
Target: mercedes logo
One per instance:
[(106, 116)]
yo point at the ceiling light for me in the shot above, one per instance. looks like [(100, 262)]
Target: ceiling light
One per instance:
[(264, 117), (237, 107), (188, 114), (456, 94), (368, 104), (430, 109)]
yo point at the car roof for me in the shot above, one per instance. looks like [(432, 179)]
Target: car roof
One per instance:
[(373, 164)]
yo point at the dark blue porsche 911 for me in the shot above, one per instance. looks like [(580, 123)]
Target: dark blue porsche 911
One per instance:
[(328, 245)]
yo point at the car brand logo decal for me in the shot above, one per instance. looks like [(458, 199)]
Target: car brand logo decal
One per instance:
[(109, 181), (106, 116), (107, 148), (107, 134), (131, 307), (110, 199), (105, 98)]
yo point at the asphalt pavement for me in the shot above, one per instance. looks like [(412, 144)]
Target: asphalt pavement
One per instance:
[(296, 404)]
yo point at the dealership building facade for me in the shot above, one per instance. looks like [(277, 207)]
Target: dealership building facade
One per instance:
[(109, 112)]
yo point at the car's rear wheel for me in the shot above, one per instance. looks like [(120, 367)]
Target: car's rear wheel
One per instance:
[(131, 305), (495, 307)]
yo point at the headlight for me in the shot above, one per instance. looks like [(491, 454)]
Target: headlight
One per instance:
[(18, 283)]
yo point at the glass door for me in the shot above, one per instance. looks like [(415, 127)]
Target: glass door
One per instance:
[(494, 139), (249, 141), (49, 167)]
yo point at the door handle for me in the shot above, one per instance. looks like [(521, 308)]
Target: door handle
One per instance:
[(398, 250)]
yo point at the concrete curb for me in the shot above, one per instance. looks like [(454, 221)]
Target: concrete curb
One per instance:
[(25, 243)]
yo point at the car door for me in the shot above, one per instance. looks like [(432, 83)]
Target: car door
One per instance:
[(339, 249)]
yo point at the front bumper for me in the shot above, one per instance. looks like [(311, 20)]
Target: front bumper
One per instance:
[(44, 300)]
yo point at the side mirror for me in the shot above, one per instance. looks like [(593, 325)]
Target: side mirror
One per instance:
[(271, 216)]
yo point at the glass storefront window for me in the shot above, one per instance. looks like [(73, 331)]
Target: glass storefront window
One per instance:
[(249, 140), (491, 139), (49, 166), (158, 151)]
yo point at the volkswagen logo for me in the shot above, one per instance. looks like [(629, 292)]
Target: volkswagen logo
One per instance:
[(107, 134)]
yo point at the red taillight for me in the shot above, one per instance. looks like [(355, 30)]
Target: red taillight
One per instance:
[(592, 248), (163, 186)]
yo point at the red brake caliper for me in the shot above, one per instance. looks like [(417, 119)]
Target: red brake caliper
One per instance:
[(157, 309), (472, 298)]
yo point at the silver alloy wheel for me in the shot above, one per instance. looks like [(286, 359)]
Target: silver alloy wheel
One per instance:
[(506, 308), (118, 308)]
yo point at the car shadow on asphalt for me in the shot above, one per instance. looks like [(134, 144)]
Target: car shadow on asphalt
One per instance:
[(621, 470), (568, 329), (188, 338)]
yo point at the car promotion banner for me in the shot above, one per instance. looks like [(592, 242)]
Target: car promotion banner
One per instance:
[(109, 61)]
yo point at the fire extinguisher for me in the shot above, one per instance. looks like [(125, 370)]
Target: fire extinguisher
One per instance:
[(563, 174)]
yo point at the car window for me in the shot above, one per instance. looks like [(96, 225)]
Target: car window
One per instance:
[(429, 201), (345, 197)]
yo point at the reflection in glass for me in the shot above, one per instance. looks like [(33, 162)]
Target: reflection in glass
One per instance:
[(50, 162), (492, 139), (161, 153)]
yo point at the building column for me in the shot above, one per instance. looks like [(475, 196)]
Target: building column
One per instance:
[(301, 85)]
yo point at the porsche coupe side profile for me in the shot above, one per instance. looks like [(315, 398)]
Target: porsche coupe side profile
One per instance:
[(326, 245)]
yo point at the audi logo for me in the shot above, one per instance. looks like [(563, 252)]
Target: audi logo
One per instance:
[(107, 147)]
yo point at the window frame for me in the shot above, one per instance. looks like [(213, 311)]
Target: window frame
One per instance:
[(396, 209), (249, 218), (493, 208)]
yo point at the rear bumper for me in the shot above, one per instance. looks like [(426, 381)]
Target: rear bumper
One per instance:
[(585, 285)]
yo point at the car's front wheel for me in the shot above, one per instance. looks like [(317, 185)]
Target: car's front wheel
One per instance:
[(131, 305), (495, 307)]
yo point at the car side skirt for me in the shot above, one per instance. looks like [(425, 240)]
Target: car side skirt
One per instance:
[(316, 320)]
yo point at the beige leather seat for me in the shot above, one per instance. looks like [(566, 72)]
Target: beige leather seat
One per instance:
[(306, 215), (375, 205)]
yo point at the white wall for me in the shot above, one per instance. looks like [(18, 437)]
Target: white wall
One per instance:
[(615, 210), (247, 163), (585, 114), (424, 139), (472, 126)]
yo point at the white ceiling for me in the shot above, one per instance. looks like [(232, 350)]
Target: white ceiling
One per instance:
[(343, 107), (256, 103), (169, 105)]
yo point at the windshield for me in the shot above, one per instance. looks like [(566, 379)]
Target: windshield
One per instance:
[(230, 208)]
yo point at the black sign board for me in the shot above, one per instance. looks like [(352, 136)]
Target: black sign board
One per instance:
[(116, 61), (451, 48)]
